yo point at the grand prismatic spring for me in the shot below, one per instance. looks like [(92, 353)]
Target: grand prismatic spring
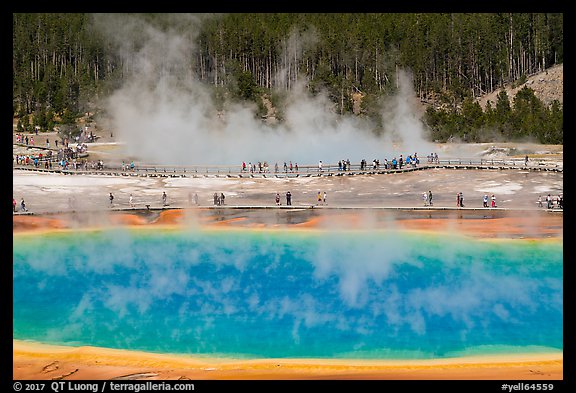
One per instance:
[(248, 294)]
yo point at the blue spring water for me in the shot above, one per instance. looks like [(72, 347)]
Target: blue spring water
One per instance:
[(287, 294)]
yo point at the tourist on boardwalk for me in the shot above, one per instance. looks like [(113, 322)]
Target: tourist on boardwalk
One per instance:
[(430, 197), (461, 199), (23, 205), (131, 200), (320, 166), (277, 199), (111, 197), (319, 198), (14, 204), (288, 198), (549, 201), (164, 199), (324, 197), (216, 199), (425, 198), (485, 200), (457, 199), (493, 198), (540, 201), (222, 198)]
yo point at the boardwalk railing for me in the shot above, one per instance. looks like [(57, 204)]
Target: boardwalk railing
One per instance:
[(303, 170)]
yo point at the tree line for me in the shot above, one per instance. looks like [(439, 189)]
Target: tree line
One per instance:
[(523, 118), (61, 65)]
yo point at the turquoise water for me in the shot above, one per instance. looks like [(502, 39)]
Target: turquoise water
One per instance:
[(265, 294)]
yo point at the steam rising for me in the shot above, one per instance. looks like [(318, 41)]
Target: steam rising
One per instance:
[(165, 115)]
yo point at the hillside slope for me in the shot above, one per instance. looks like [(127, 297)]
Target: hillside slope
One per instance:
[(547, 85)]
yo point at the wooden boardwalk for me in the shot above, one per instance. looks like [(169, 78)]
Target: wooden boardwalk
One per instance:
[(217, 171)]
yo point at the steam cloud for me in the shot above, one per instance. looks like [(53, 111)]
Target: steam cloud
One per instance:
[(165, 115)]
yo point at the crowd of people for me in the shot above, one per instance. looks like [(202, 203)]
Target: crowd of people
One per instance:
[(411, 161), (321, 199), (263, 167), (551, 201), (66, 158), (21, 138), (343, 165)]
